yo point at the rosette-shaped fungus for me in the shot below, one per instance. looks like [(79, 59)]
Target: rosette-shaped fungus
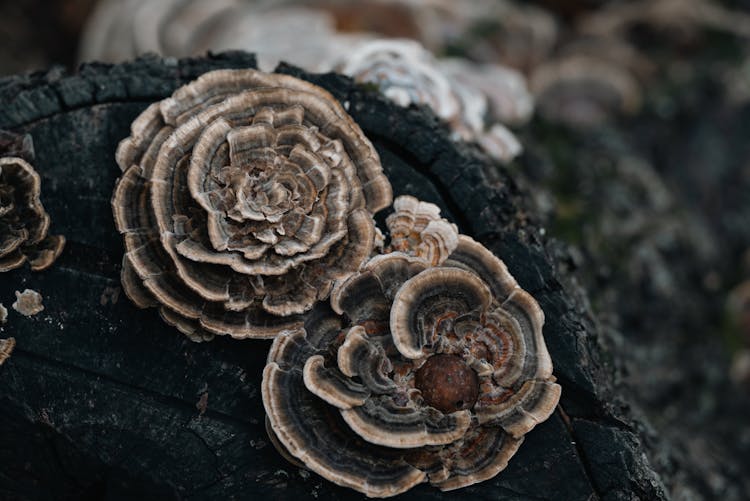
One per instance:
[(421, 373), (23, 220), (244, 196)]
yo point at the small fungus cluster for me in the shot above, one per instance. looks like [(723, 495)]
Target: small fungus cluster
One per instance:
[(23, 220), (472, 99), (246, 204)]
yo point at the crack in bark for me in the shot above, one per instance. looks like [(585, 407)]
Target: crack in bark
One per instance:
[(161, 398)]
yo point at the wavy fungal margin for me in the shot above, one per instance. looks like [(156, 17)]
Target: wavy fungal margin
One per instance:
[(244, 196), (429, 366)]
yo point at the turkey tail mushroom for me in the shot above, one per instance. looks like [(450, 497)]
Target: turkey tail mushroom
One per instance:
[(23, 221), (244, 196), (421, 371)]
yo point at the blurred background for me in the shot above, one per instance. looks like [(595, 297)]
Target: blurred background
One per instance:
[(627, 122)]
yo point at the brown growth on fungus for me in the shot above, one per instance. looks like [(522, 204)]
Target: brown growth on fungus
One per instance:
[(244, 196), (421, 373), (23, 220)]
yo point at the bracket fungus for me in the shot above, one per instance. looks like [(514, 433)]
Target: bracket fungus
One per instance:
[(407, 73), (23, 221), (6, 348), (416, 229), (244, 196), (419, 372)]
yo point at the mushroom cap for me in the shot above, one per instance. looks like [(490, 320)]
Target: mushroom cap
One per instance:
[(416, 228), (313, 431), (428, 373), (244, 196), (23, 221)]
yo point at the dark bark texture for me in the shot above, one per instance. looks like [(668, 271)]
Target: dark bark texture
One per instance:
[(101, 400)]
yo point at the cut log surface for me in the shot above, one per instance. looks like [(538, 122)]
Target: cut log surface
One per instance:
[(102, 400)]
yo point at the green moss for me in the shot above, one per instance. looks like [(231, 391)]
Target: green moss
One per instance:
[(369, 87), (730, 332)]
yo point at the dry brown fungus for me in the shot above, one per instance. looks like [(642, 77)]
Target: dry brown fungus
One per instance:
[(23, 221), (244, 197), (6, 348), (419, 371)]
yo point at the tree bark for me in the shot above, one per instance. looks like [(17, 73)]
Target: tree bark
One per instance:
[(101, 399)]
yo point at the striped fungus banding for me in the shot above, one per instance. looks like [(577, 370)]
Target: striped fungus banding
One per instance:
[(244, 196), (23, 221), (421, 373), (416, 228)]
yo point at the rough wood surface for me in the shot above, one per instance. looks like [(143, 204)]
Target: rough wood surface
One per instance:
[(100, 399)]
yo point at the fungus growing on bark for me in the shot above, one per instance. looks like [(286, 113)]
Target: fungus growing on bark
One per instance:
[(505, 89), (405, 72), (409, 74), (416, 229), (3, 314), (28, 303), (23, 220), (419, 374), (244, 196), (6, 348)]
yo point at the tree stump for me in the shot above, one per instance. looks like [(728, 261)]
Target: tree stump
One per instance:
[(101, 399)]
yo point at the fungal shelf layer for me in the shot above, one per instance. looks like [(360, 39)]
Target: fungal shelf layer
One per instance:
[(244, 196), (429, 365)]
